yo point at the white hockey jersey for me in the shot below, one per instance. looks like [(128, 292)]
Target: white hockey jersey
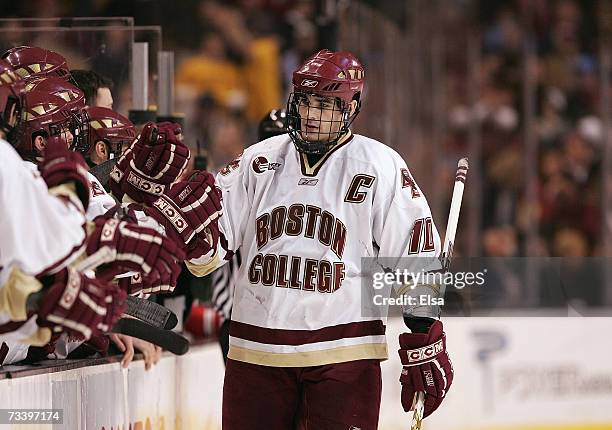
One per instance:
[(302, 231), (38, 233), (100, 201)]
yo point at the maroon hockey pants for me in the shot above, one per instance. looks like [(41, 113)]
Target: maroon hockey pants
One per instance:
[(340, 396)]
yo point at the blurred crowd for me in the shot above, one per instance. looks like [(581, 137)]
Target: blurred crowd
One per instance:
[(561, 60), (539, 92)]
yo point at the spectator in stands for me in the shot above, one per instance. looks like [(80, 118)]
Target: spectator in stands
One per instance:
[(239, 66)]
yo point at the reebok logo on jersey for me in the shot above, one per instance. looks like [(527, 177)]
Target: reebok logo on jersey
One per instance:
[(261, 165), (308, 181), (309, 83)]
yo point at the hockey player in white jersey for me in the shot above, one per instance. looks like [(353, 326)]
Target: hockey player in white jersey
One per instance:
[(34, 255), (304, 209)]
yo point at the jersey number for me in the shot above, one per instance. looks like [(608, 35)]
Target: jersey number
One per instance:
[(421, 238)]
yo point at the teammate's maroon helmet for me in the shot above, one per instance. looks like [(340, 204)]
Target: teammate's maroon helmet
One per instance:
[(75, 99), (30, 62), (60, 88), (108, 126), (11, 93), (46, 115), (335, 76)]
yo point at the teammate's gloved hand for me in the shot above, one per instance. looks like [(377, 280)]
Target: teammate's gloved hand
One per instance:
[(125, 246), (79, 305), (426, 367), (158, 159), (132, 285), (189, 212), (155, 283), (171, 127), (62, 166)]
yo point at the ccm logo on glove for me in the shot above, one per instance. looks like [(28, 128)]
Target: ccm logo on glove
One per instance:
[(172, 214), (144, 185), (73, 286), (425, 353)]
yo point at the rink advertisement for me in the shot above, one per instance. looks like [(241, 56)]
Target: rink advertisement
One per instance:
[(516, 373), (510, 374)]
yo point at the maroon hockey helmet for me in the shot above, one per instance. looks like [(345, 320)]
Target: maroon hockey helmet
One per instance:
[(46, 115), (108, 126), (75, 99), (336, 76), (11, 93), (60, 88), (30, 62)]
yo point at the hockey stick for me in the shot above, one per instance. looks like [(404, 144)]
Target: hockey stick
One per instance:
[(102, 171), (151, 313), (447, 255), (168, 340)]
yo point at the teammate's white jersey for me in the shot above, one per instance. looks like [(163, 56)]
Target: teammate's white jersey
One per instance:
[(99, 200), (302, 231), (38, 233), (37, 229)]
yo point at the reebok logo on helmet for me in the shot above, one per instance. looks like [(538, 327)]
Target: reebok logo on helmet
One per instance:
[(309, 83)]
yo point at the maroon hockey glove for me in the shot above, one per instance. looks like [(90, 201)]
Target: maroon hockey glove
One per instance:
[(62, 166), (160, 282), (189, 212), (426, 367), (80, 306), (127, 246), (132, 285), (158, 159), (155, 283), (171, 127)]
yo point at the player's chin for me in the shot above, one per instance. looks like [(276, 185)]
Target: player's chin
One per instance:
[(315, 136)]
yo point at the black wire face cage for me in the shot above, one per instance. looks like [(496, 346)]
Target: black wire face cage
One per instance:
[(115, 147), (78, 124), (75, 123), (313, 134)]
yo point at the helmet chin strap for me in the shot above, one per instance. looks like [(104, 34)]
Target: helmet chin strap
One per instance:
[(313, 158), (346, 136)]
